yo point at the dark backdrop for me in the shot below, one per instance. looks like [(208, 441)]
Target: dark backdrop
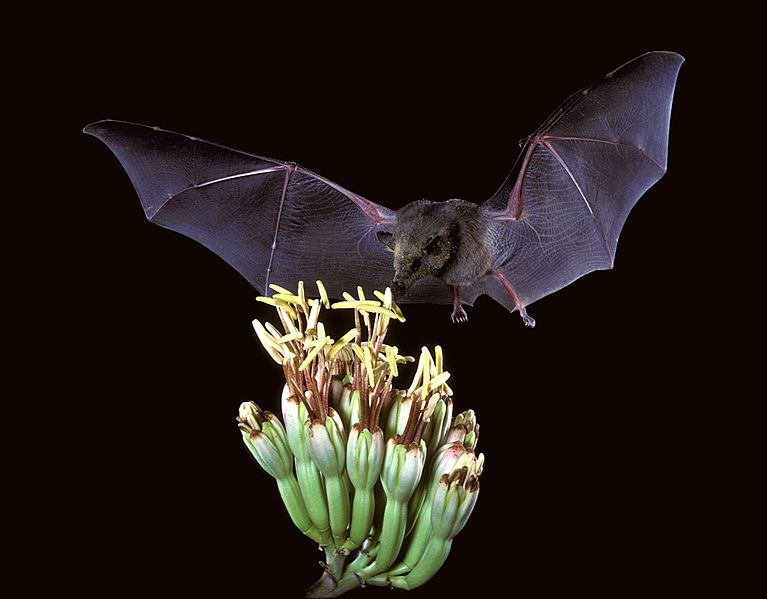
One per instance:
[(590, 421)]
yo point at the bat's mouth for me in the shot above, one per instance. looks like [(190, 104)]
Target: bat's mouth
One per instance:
[(400, 288)]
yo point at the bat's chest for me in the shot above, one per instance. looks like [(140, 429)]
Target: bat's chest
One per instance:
[(470, 263)]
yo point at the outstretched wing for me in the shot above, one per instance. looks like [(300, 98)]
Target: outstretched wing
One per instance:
[(273, 221), (559, 213)]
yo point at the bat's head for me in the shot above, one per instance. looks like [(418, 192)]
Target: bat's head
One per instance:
[(424, 241)]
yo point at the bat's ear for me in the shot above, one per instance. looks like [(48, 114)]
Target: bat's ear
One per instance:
[(386, 238)]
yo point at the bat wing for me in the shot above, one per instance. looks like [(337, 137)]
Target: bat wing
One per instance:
[(559, 213), (273, 221)]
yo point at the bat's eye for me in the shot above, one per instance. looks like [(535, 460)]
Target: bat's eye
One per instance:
[(431, 245)]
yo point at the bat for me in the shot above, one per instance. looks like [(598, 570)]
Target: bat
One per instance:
[(556, 217)]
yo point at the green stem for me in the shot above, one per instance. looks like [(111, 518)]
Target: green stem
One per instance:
[(433, 558), (392, 533), (363, 509), (333, 582), (364, 557), (310, 483), (327, 587), (338, 508), (390, 540), (416, 542), (294, 503)]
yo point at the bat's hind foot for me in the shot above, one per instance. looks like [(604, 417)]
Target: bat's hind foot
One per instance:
[(528, 320), (459, 315)]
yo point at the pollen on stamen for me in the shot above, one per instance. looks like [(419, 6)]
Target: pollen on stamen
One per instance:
[(279, 289), (288, 297)]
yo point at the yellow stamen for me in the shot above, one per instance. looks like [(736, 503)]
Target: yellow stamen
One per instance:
[(271, 302), (290, 337), (302, 295), (313, 354), (287, 297), (356, 304), (273, 331), (359, 351), (279, 289), (369, 367), (270, 344), (391, 358), (377, 310), (417, 376), (426, 372), (438, 381), (323, 294), (311, 322), (341, 343)]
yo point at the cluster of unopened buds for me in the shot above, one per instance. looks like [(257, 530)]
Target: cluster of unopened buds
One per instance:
[(382, 479)]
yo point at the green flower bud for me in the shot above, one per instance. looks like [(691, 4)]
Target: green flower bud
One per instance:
[(464, 430), (454, 501), (445, 461), (364, 459), (295, 415), (354, 408), (439, 423), (327, 443), (266, 439), (398, 414), (402, 469), (340, 399), (364, 456)]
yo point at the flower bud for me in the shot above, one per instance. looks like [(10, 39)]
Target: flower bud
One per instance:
[(398, 415), (340, 399), (454, 501), (295, 415), (250, 417), (364, 456), (439, 424), (327, 444), (464, 430), (266, 439), (445, 460), (402, 469)]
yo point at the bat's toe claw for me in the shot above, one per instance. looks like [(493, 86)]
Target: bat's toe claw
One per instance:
[(528, 320), (459, 315)]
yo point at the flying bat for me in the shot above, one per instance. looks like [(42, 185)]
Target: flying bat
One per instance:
[(556, 217)]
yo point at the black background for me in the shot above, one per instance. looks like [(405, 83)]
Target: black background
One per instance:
[(598, 445)]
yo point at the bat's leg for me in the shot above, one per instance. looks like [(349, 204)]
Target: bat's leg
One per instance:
[(459, 314), (529, 321)]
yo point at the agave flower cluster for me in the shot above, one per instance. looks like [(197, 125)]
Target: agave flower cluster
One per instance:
[(383, 479)]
